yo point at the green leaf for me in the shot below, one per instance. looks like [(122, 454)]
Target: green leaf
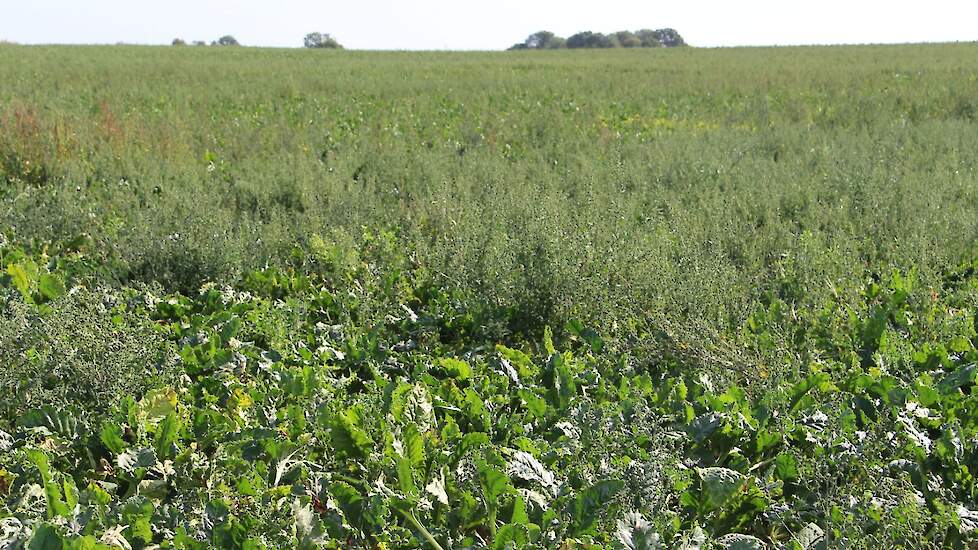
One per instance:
[(548, 340), (963, 376), (347, 436), (308, 527), (229, 330), (158, 403), (50, 286), (520, 516), (349, 500), (511, 537), (405, 477), (472, 441), (414, 446), (88, 542), (636, 533), (46, 537), (565, 385), (785, 467), (494, 484), (61, 422), (735, 541), (536, 405), (454, 368), (111, 437), (591, 337), (437, 487), (476, 410), (719, 485), (56, 506), (22, 276), (155, 489), (166, 435), (584, 509)]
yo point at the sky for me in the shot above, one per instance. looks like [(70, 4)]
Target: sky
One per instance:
[(484, 24)]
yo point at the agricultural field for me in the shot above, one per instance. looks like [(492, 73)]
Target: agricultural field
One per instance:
[(631, 299)]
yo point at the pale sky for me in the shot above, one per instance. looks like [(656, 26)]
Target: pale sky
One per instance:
[(485, 24)]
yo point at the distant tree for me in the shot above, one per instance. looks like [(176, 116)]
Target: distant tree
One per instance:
[(320, 40), (226, 40), (540, 40), (670, 38), (628, 39), (199, 43), (588, 39), (178, 42), (648, 38), (544, 40), (645, 38)]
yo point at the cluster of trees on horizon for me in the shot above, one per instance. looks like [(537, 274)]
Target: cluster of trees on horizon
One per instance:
[(644, 38), (311, 40)]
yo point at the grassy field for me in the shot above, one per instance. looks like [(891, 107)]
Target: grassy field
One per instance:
[(677, 298)]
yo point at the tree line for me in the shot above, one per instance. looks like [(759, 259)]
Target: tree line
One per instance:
[(311, 40), (644, 38), (541, 40)]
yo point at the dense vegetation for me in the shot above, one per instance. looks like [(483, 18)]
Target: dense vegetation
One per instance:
[(607, 299), (644, 38)]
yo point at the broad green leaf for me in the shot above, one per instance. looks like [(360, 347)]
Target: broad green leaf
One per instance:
[(347, 436), (736, 541), (566, 387), (511, 537), (634, 532), (455, 368), (963, 376), (50, 286), (22, 276), (349, 500), (46, 537), (156, 489), (520, 516), (437, 487), (158, 403), (405, 477), (586, 334), (111, 437), (534, 403), (785, 467), (494, 484), (56, 506), (308, 526), (586, 506), (412, 403), (414, 446), (167, 434), (719, 485), (61, 422)]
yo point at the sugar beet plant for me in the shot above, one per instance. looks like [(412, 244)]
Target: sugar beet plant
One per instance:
[(630, 300), (295, 423)]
